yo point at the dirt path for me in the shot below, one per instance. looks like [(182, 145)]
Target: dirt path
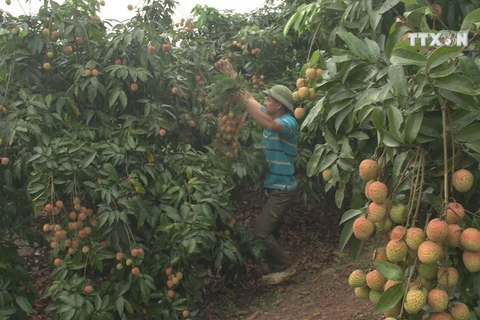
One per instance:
[(319, 290)]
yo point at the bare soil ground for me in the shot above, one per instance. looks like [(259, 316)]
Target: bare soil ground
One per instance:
[(319, 289)]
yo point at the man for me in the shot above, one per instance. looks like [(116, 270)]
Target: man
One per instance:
[(280, 136)]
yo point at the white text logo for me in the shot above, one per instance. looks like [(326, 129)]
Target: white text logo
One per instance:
[(459, 39)]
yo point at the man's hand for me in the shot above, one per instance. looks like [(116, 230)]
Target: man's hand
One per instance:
[(225, 66)]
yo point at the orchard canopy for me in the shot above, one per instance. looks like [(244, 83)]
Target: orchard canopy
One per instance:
[(123, 154)]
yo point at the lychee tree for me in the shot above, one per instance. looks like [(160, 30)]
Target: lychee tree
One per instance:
[(399, 125)]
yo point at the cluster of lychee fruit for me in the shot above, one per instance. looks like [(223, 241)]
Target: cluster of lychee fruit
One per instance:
[(258, 82), (81, 222), (243, 47), (231, 123), (305, 89), (422, 251), (135, 259)]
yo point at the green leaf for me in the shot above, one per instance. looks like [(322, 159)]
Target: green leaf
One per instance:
[(469, 134), (464, 101), (395, 119), (432, 199), (394, 38), (346, 233), (355, 45), (402, 56), (412, 126), (314, 160), (349, 214), (389, 270), (113, 97), (378, 119), (327, 162), (24, 304), (390, 298), (457, 83), (313, 113), (443, 54), (85, 163), (396, 73), (471, 18)]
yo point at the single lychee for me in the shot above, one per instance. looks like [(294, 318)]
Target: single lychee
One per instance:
[(453, 236), (58, 262), (437, 230), (396, 250), (375, 280), (88, 289), (299, 113), (429, 252), (368, 169), (363, 228), (311, 73), (380, 254), (362, 292), (455, 213), (470, 239), (471, 260), (384, 225), (374, 296), (367, 185), (398, 233), (438, 300), (398, 214), (415, 300), (415, 236), (376, 212), (447, 277), (135, 271), (358, 278), (441, 316), (462, 180), (378, 191), (327, 174), (460, 311)]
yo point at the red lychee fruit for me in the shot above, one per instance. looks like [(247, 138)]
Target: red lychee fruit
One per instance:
[(375, 280), (462, 180), (447, 277), (460, 311), (396, 250), (455, 213), (437, 230), (363, 228), (415, 236), (429, 252), (376, 212), (471, 260), (441, 316), (398, 232), (88, 289), (368, 169), (470, 239), (378, 192), (453, 236), (438, 300)]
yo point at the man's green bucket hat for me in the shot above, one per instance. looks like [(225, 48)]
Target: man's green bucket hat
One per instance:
[(282, 94)]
